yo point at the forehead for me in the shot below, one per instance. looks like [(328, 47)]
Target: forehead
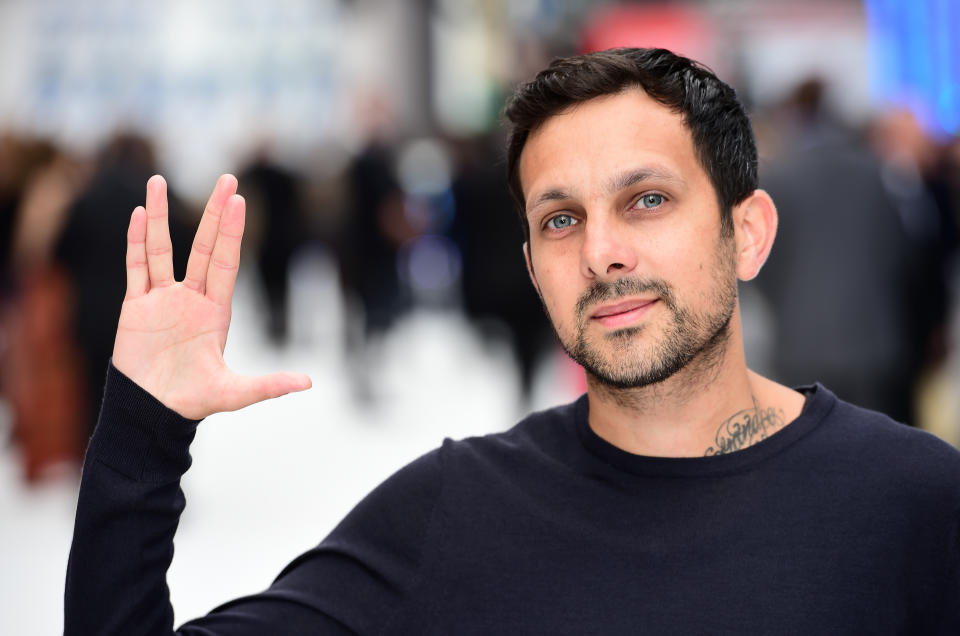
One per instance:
[(580, 148)]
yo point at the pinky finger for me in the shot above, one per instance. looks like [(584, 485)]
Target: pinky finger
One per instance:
[(138, 278)]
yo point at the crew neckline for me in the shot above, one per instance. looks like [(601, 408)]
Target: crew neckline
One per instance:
[(819, 402)]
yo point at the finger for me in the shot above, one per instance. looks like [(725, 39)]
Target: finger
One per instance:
[(206, 237), (250, 390), (159, 250), (138, 281), (225, 260)]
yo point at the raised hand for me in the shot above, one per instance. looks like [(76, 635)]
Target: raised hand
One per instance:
[(171, 335)]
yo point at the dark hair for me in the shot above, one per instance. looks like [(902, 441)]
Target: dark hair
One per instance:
[(721, 131)]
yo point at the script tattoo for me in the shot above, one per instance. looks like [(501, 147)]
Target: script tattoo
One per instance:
[(744, 428)]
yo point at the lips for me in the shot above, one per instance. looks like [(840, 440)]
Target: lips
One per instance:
[(622, 313)]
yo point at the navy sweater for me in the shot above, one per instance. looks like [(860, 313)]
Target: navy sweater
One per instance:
[(843, 522)]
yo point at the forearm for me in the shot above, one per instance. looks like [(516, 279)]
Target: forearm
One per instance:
[(129, 506)]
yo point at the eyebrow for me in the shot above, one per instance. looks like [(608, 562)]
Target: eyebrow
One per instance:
[(624, 180), (554, 194), (617, 183)]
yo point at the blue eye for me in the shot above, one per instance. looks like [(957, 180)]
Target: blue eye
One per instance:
[(651, 200), (561, 222)]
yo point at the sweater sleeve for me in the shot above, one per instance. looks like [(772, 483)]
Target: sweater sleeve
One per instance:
[(355, 582)]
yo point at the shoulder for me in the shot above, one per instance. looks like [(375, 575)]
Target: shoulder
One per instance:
[(874, 430), (902, 457), (480, 466), (539, 434), (547, 433)]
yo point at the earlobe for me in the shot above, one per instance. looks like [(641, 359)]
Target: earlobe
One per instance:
[(533, 276), (755, 226)]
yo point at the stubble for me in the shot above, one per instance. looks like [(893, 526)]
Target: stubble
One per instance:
[(693, 340)]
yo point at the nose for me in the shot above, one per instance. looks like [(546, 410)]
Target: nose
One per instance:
[(606, 252)]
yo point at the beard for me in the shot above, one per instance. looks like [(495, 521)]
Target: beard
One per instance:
[(689, 335)]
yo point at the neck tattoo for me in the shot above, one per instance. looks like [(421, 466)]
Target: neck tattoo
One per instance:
[(745, 428)]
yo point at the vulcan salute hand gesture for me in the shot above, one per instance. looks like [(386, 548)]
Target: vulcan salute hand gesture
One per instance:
[(171, 334)]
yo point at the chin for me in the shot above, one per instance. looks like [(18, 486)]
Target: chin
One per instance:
[(623, 363), (623, 360), (634, 377)]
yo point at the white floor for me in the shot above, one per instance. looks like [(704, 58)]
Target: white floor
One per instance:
[(270, 481)]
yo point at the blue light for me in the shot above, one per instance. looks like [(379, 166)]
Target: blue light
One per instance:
[(914, 53)]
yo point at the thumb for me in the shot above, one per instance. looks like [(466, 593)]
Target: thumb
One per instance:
[(247, 390)]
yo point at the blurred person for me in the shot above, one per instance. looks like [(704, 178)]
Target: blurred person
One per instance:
[(43, 375), (273, 194), (924, 175), (44, 205), (918, 171), (493, 277), (682, 494), (40, 366), (950, 178), (20, 160), (87, 250), (11, 185), (859, 250), (375, 228)]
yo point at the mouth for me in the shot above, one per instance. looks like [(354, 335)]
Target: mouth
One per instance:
[(622, 313)]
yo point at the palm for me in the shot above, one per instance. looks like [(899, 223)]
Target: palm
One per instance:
[(171, 334), (173, 339)]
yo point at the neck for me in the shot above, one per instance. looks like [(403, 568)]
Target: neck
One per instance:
[(713, 405)]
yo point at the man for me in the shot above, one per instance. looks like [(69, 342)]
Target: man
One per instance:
[(682, 494)]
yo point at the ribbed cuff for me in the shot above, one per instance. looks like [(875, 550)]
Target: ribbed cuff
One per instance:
[(138, 436)]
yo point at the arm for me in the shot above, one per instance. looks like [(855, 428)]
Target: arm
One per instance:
[(365, 575), (169, 373), (128, 510)]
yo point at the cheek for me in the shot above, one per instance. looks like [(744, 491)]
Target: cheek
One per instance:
[(678, 262), (559, 293), (551, 287), (688, 267), (554, 265), (686, 251)]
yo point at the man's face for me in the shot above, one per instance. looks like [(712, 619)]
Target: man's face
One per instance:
[(626, 247)]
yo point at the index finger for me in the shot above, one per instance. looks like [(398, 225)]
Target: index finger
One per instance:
[(206, 236)]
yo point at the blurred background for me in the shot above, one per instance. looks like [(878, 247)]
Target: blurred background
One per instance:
[(382, 253)]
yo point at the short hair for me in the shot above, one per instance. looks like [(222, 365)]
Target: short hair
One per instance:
[(718, 123)]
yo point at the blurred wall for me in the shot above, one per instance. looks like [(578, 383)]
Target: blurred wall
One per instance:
[(208, 79)]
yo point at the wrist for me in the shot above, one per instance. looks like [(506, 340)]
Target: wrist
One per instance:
[(138, 435)]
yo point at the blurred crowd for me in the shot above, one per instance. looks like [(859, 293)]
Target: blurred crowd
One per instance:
[(858, 288), (425, 222)]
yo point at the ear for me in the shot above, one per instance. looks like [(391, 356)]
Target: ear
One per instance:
[(533, 276), (755, 226)]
